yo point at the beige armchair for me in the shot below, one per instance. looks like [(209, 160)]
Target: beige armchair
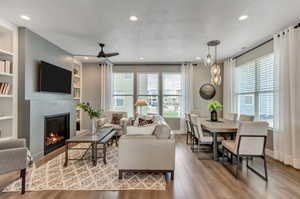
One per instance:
[(250, 142), (230, 116), (13, 156)]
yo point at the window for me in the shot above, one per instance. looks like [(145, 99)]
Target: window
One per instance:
[(171, 94), (123, 92), (255, 88), (161, 91), (148, 89)]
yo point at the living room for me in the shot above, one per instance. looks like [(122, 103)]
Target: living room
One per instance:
[(156, 100)]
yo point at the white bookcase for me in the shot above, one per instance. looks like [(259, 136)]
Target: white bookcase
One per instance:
[(8, 100), (77, 91)]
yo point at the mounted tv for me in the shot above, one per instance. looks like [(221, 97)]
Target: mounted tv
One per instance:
[(54, 79)]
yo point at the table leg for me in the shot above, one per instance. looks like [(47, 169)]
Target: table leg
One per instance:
[(66, 155), (94, 150), (104, 153), (215, 143)]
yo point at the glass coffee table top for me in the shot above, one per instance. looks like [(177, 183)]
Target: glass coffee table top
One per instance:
[(91, 137)]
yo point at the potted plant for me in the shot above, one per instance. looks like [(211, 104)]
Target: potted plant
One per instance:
[(93, 113), (213, 107)]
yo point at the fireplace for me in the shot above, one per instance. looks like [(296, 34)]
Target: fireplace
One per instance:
[(57, 130)]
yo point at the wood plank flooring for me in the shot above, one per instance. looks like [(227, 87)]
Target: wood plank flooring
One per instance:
[(194, 178)]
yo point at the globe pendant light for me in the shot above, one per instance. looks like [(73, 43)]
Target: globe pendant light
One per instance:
[(209, 59), (215, 70)]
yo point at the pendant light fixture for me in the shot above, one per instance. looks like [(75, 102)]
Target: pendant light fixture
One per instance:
[(215, 70), (209, 58)]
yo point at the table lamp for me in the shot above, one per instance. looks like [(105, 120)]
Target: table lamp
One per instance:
[(139, 103)]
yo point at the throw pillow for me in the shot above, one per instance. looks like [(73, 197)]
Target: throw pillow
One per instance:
[(162, 131), (145, 121), (116, 118)]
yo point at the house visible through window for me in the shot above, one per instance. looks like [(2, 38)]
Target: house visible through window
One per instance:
[(255, 88)]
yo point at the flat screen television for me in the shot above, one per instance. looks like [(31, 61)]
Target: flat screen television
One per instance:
[(54, 79)]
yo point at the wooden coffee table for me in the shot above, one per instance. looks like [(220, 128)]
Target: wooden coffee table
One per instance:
[(101, 136)]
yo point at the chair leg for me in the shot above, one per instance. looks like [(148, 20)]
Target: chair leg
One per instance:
[(120, 175), (187, 137), (237, 167), (23, 176), (265, 167), (172, 175)]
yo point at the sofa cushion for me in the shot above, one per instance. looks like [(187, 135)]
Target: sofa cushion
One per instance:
[(162, 131), (135, 130)]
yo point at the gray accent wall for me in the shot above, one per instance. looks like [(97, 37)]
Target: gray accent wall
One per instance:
[(34, 105)]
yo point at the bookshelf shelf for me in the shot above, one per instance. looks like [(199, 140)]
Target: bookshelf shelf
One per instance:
[(7, 74), (6, 118), (6, 96), (6, 53), (77, 85)]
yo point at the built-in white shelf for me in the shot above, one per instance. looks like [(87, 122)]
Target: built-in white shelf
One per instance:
[(6, 53), (77, 76), (6, 118), (76, 98), (7, 74), (77, 87), (6, 96)]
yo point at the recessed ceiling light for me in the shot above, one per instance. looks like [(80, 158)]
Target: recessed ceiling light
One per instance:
[(141, 58), (25, 17), (86, 58), (243, 17), (133, 18), (198, 58)]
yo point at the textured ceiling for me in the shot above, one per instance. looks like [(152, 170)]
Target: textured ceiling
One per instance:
[(167, 30)]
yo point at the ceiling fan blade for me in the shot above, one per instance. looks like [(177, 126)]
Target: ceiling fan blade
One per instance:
[(84, 55), (111, 54)]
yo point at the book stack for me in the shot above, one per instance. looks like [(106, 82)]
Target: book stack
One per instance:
[(5, 66), (4, 88)]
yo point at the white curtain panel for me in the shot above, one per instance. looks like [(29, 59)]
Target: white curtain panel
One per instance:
[(187, 102), (228, 86), (106, 86), (287, 97)]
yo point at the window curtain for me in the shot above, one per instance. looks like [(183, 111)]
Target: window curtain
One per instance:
[(228, 86), (187, 102), (106, 86), (287, 97)]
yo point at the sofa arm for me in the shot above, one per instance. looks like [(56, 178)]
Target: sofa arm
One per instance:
[(12, 143), (101, 121), (13, 159), (146, 153)]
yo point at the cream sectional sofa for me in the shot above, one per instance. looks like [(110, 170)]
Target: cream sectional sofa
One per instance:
[(147, 149)]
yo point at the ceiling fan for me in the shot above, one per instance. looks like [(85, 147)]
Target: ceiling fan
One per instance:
[(102, 54)]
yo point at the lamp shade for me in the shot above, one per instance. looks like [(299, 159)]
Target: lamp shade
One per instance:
[(141, 102)]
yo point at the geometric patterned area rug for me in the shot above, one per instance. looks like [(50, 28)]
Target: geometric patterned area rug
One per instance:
[(82, 175)]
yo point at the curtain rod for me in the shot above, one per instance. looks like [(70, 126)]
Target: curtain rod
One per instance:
[(154, 64), (261, 44)]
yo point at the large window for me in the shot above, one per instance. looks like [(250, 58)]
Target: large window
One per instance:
[(171, 94), (123, 92), (148, 89), (162, 92), (255, 88)]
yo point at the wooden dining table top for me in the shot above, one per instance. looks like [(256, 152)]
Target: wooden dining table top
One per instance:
[(221, 126)]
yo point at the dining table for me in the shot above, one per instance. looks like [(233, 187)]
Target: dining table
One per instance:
[(218, 128)]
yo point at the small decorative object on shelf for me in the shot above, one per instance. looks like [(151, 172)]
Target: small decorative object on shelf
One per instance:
[(213, 107), (5, 66), (93, 113), (4, 88)]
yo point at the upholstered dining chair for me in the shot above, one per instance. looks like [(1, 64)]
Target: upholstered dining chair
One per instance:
[(248, 118), (13, 157), (230, 116), (250, 142), (188, 129), (204, 141)]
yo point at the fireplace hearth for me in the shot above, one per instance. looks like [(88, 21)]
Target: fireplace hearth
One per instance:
[(57, 130)]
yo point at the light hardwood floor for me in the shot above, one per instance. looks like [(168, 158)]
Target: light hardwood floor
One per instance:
[(194, 178)]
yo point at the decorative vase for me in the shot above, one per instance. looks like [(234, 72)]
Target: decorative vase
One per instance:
[(214, 116), (94, 125)]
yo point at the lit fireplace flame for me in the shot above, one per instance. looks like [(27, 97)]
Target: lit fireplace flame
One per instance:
[(53, 138)]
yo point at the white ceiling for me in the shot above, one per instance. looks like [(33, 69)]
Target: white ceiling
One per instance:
[(167, 30)]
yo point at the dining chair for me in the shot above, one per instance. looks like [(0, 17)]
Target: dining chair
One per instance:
[(188, 129), (193, 136), (249, 118), (250, 142), (230, 116), (203, 140)]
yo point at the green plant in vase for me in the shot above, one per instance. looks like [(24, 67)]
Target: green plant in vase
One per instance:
[(92, 112), (214, 106)]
